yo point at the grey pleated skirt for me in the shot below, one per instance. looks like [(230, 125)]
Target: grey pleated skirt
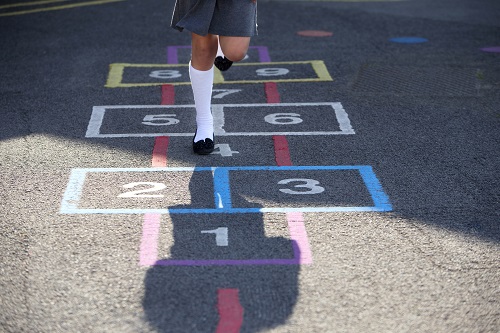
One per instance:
[(218, 17)]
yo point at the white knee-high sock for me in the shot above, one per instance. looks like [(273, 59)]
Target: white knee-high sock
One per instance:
[(201, 83)]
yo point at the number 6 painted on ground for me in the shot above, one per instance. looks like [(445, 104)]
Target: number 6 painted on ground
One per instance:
[(283, 118)]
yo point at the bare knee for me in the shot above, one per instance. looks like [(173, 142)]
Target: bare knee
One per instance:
[(234, 48), (235, 55)]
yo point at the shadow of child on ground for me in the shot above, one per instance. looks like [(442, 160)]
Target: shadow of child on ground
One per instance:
[(215, 262)]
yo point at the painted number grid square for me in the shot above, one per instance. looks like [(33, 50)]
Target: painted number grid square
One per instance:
[(194, 237), (258, 246), (176, 120), (170, 191), (125, 75)]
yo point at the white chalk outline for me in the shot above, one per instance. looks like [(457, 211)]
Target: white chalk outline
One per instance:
[(98, 113)]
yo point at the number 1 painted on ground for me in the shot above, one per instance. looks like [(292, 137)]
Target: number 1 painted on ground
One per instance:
[(221, 237)]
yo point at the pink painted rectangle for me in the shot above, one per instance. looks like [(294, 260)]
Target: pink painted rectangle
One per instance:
[(148, 253), (272, 94), (230, 311), (160, 152), (298, 234), (281, 151), (167, 94)]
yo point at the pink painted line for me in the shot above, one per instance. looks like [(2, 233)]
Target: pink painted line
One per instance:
[(230, 311), (281, 151), (160, 152), (148, 254), (167, 94), (272, 94), (298, 234), (296, 226)]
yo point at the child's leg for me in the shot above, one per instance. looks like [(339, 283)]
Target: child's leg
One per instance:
[(204, 49), (234, 48)]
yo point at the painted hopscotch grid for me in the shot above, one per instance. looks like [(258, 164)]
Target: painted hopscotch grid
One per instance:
[(334, 110), (178, 73), (222, 193), (302, 254)]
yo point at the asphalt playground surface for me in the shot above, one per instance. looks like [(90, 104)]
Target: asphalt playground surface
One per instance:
[(355, 186)]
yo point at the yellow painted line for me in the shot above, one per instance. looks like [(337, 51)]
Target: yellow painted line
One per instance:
[(33, 3), (116, 71), (74, 5), (321, 71), (218, 77), (115, 75)]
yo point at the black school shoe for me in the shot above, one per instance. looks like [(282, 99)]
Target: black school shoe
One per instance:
[(203, 147), (222, 64)]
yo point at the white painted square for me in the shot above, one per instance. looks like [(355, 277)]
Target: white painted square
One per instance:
[(117, 121)]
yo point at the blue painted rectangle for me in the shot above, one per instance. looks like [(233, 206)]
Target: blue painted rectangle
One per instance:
[(222, 190)]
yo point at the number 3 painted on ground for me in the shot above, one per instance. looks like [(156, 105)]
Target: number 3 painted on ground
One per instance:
[(310, 184)]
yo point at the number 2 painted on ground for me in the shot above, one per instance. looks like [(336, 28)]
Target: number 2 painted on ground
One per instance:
[(155, 187), (311, 185)]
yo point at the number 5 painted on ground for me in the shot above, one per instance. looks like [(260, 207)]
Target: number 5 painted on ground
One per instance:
[(160, 119)]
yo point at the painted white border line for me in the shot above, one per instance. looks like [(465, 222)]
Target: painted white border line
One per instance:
[(98, 113)]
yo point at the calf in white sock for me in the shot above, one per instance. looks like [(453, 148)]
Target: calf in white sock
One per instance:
[(201, 83)]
